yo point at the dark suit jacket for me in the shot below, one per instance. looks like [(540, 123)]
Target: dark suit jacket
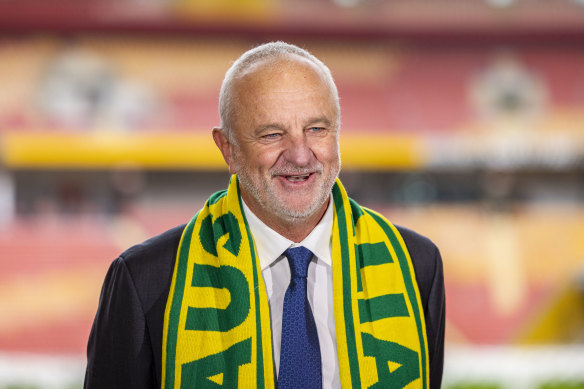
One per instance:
[(125, 344)]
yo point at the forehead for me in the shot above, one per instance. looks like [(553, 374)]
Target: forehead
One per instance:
[(272, 85), (284, 65)]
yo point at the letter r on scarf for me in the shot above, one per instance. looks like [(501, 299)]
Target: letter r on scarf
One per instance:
[(384, 306)]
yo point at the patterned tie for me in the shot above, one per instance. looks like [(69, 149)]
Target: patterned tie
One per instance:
[(300, 365)]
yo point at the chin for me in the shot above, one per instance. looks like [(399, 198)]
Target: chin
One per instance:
[(299, 212)]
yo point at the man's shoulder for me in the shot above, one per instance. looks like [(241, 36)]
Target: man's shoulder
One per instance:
[(149, 266), (154, 247), (415, 240), (426, 259)]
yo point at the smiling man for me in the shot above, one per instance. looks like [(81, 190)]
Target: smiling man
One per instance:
[(283, 140), (282, 280)]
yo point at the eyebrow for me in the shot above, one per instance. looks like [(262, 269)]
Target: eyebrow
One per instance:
[(320, 119)]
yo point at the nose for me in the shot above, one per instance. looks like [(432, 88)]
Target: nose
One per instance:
[(298, 150)]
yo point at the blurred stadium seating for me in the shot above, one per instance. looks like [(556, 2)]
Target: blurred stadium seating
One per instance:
[(463, 120)]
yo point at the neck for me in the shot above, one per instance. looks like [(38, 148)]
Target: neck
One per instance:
[(297, 229), (294, 229)]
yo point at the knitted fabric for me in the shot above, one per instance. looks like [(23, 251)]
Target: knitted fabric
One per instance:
[(217, 329)]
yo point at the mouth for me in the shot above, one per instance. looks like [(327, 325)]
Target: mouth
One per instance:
[(298, 177)]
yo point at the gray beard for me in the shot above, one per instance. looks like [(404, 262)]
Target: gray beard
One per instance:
[(269, 201)]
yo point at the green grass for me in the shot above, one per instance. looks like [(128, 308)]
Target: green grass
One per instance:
[(562, 385)]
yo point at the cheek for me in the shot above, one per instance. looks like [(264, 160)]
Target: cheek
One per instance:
[(327, 152), (265, 159)]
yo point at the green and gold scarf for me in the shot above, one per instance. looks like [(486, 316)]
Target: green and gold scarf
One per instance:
[(217, 331)]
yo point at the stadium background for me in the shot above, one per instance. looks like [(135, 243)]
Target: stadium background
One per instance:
[(463, 120)]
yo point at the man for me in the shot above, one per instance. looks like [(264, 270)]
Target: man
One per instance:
[(281, 280)]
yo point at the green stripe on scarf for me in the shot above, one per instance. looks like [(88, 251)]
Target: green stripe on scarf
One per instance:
[(347, 287), (260, 377)]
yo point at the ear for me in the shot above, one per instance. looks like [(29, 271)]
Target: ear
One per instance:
[(225, 147)]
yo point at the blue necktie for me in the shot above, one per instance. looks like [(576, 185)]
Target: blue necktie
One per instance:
[(300, 365)]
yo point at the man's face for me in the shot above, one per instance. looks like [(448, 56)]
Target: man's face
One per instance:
[(285, 139)]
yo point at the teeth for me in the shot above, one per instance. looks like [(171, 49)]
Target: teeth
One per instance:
[(298, 178)]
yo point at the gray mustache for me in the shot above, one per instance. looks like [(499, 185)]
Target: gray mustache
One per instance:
[(295, 171)]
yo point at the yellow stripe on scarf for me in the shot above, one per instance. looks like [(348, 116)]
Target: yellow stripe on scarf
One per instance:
[(217, 323)]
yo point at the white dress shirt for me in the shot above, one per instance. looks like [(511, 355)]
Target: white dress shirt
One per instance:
[(276, 273)]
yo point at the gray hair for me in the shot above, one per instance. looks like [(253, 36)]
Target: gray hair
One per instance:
[(266, 51)]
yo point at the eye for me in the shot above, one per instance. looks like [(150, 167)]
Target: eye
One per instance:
[(270, 137), (317, 130)]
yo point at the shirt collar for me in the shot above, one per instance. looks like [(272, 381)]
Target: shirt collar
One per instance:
[(271, 245)]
